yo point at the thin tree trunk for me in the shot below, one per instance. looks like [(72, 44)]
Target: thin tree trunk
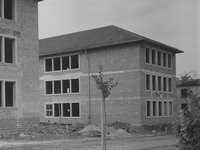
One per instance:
[(103, 122)]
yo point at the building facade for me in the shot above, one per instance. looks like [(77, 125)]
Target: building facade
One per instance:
[(18, 64), (144, 69)]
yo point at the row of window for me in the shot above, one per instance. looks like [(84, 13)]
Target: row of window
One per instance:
[(7, 9), (7, 50), (158, 58), (7, 93), (63, 109), (62, 86), (158, 83), (62, 63), (159, 108)]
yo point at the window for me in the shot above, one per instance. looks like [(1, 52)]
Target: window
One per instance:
[(153, 82), (147, 82), (159, 58), (75, 85), (48, 65), (147, 55), (62, 86), (159, 83), (170, 109), (183, 93), (159, 108), (169, 84), (49, 110), (63, 109), (62, 63), (169, 60), (164, 60), (148, 103), (7, 9), (154, 108), (153, 57), (9, 94), (1, 98), (165, 108), (164, 84)]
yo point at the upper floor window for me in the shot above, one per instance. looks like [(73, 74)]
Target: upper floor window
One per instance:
[(7, 50), (169, 60), (7, 9), (147, 55), (62, 63), (147, 82), (153, 57), (159, 58), (164, 60)]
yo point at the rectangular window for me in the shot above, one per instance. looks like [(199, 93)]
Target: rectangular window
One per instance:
[(147, 82), (160, 108), (75, 110), (170, 108), (57, 87), (164, 84), (49, 110), (66, 86), (169, 60), (183, 93), (153, 82), (75, 85), (66, 110), (74, 62), (153, 57), (57, 110), (65, 63), (1, 84), (49, 87), (165, 108), (164, 60), (154, 108), (9, 94), (169, 84), (9, 50), (148, 103), (1, 48), (48, 65), (147, 55), (159, 83), (159, 58), (9, 9), (56, 62)]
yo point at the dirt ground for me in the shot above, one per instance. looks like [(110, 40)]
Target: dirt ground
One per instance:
[(131, 143)]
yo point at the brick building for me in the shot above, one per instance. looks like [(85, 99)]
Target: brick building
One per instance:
[(18, 64), (144, 68)]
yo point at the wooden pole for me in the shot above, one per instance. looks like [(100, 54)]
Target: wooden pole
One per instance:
[(103, 122)]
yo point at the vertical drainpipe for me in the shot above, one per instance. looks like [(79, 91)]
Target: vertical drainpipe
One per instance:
[(89, 103)]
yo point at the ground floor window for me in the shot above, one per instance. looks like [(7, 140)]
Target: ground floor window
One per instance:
[(71, 109), (158, 108)]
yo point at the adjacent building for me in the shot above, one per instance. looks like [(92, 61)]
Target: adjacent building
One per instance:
[(144, 69), (18, 64)]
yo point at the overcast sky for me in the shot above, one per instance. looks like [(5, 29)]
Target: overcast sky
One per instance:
[(173, 22)]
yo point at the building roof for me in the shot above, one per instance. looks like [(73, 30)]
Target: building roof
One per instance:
[(89, 39), (195, 82)]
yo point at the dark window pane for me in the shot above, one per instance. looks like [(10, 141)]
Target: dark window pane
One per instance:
[(183, 93), (66, 86), (165, 108), (169, 61), (57, 87), (153, 83), (147, 82), (49, 88), (66, 109), (48, 65), (170, 108), (9, 53), (9, 94), (153, 58), (147, 55), (159, 58), (57, 110), (148, 108), (65, 62), (75, 85), (164, 60), (159, 83), (8, 9), (160, 108), (164, 84), (0, 48), (1, 93), (56, 63), (74, 62), (75, 110), (154, 108), (169, 84)]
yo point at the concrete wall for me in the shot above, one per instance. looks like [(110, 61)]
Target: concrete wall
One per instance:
[(25, 70)]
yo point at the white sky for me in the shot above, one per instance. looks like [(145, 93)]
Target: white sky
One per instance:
[(173, 22)]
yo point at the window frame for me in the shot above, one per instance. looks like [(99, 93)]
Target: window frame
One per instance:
[(14, 11)]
